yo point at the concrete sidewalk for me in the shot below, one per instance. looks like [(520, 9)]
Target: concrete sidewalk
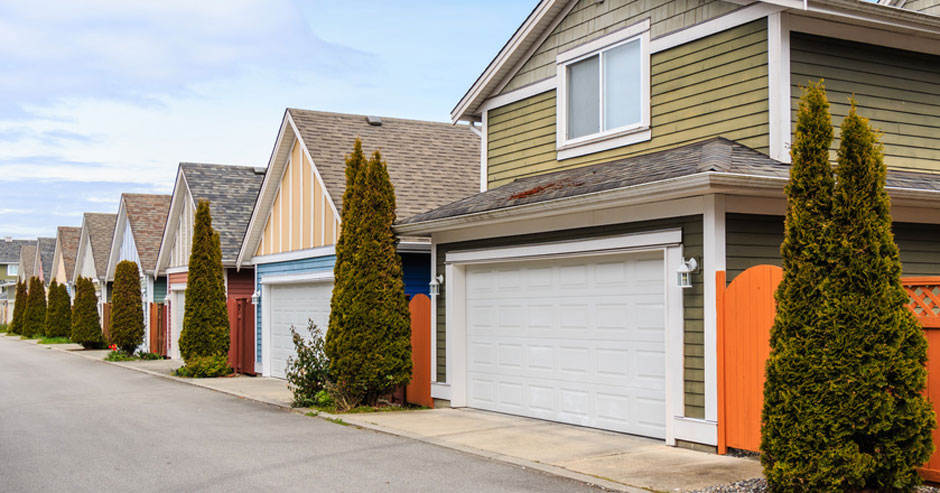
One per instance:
[(612, 460)]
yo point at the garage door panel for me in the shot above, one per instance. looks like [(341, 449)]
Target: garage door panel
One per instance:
[(293, 305), (576, 340)]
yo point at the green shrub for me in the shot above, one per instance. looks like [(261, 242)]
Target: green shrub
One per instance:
[(19, 308), (4, 328), (205, 321), (86, 323), (308, 371), (148, 356), (127, 312), (55, 340), (59, 311), (369, 338), (119, 355), (35, 318), (205, 367)]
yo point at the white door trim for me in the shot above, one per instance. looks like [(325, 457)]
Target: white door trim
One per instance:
[(317, 276)]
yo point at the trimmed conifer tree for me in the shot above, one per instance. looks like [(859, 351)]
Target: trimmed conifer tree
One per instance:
[(205, 321), (127, 312), (369, 338), (50, 303), (789, 435), (86, 322), (35, 319), (59, 312), (19, 308), (878, 423)]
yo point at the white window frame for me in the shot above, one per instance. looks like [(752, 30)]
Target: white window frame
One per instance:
[(609, 139), (13, 269)]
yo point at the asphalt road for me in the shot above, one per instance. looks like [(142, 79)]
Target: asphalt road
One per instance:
[(72, 424)]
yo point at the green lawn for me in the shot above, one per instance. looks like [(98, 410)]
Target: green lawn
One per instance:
[(55, 340)]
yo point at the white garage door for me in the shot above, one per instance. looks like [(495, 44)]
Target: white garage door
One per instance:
[(293, 305), (577, 340)]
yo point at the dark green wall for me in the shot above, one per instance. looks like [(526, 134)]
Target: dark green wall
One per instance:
[(693, 300)]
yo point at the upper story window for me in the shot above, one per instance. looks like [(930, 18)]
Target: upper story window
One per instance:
[(13, 269), (603, 93)]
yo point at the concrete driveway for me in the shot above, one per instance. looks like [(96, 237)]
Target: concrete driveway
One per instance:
[(74, 424)]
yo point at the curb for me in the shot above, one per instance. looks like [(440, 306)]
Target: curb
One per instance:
[(363, 424)]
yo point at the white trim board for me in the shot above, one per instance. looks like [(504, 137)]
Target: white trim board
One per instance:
[(317, 276), (294, 255)]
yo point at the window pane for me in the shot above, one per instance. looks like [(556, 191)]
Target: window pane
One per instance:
[(584, 98), (622, 85)]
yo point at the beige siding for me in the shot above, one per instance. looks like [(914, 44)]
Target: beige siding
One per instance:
[(301, 216), (898, 91), (925, 6), (590, 19), (59, 275), (716, 86)]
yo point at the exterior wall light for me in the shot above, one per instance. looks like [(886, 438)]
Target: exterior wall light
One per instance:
[(255, 297), (435, 285), (685, 271)]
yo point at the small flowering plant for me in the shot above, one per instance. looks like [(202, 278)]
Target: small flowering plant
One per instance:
[(113, 347), (118, 355)]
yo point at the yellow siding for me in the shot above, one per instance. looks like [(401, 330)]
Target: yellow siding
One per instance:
[(716, 86), (301, 216)]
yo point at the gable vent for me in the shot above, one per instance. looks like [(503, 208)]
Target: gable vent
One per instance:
[(374, 121)]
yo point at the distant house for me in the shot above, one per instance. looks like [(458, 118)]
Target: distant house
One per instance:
[(45, 251), (9, 273), (63, 260), (138, 230), (231, 192), (27, 265), (296, 218), (94, 247)]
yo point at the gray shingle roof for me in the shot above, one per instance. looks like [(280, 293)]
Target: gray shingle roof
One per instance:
[(68, 238), (430, 163), (10, 250), (231, 192), (712, 155), (101, 232), (147, 215), (46, 253), (27, 261)]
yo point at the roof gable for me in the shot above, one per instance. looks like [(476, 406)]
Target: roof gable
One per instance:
[(146, 215), (10, 249), (97, 233), (27, 261), (66, 248), (45, 250)]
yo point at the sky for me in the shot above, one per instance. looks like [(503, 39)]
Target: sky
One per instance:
[(102, 97)]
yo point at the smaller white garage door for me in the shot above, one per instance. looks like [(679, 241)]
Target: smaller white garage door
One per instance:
[(293, 305), (576, 340)]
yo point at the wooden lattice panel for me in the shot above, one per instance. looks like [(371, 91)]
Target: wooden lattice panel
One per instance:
[(925, 299)]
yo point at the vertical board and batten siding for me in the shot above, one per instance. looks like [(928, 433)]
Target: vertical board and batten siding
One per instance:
[(693, 298), (590, 19), (899, 91), (301, 216), (86, 264), (714, 86), (290, 267), (183, 243), (755, 239), (128, 246)]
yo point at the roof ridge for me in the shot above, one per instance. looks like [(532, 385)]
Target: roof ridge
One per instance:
[(384, 118)]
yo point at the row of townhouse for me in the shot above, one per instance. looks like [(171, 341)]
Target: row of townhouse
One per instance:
[(610, 144)]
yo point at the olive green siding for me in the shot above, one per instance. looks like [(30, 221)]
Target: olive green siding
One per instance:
[(925, 6), (898, 91), (3, 273), (693, 299), (715, 86), (755, 239), (590, 19)]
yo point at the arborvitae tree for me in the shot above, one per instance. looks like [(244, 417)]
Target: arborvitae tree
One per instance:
[(205, 321), (50, 304), (790, 431), (59, 311), (35, 318), (86, 323), (368, 342), (19, 308), (127, 312), (877, 422)]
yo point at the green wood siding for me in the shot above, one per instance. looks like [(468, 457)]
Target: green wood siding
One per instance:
[(590, 19), (898, 90), (159, 289), (715, 86), (693, 300), (755, 239)]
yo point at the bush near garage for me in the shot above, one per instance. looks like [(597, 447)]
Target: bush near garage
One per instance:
[(205, 367), (369, 338), (35, 318), (308, 371), (86, 323), (205, 331), (127, 313), (19, 308)]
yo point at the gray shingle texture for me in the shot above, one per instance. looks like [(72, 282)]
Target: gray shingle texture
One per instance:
[(147, 216), (27, 261), (231, 192), (10, 250), (68, 238), (100, 232), (46, 253), (430, 163)]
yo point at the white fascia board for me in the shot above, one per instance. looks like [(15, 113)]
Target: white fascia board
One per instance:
[(117, 240), (413, 246), (295, 255), (255, 221), (177, 287), (317, 276), (170, 227), (663, 237), (893, 18), (915, 42), (177, 270)]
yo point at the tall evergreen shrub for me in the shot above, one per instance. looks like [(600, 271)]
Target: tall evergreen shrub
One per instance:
[(59, 312), (19, 308), (35, 319), (205, 321), (86, 322), (368, 342), (127, 312)]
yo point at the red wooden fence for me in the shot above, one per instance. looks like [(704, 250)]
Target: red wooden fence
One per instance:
[(241, 350), (106, 322), (158, 329), (419, 390), (746, 310)]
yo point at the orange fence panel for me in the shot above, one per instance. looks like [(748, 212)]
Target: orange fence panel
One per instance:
[(419, 390)]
